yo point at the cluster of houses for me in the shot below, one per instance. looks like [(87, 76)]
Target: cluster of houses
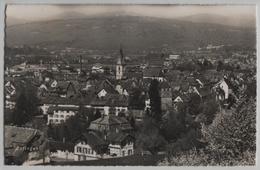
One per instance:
[(111, 135)]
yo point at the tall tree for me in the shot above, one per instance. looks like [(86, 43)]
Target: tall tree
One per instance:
[(26, 105), (155, 100), (21, 114)]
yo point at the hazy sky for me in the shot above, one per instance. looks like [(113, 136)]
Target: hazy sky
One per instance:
[(43, 12)]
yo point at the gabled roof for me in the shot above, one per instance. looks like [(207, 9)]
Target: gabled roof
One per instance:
[(107, 86), (111, 100), (57, 108), (93, 139), (118, 137), (18, 135), (152, 72)]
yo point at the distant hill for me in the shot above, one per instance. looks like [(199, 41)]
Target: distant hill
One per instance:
[(133, 32), (244, 22)]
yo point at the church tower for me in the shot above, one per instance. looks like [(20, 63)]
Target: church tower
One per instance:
[(120, 65)]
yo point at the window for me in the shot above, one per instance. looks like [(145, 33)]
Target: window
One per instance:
[(88, 151), (84, 150), (130, 152), (78, 149), (123, 153)]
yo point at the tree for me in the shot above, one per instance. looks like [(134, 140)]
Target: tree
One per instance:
[(155, 100), (21, 114), (209, 109), (132, 122), (137, 99), (194, 104), (26, 105), (97, 115), (232, 137), (220, 65), (149, 137)]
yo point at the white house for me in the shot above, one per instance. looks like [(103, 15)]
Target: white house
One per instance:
[(57, 115), (89, 146), (222, 85), (61, 150), (102, 93), (121, 144), (178, 99)]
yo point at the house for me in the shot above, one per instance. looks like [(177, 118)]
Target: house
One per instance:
[(10, 89), (153, 73), (120, 144), (174, 57), (97, 68), (10, 95), (121, 90), (178, 99), (110, 123), (222, 90), (61, 150), (89, 146), (54, 83), (110, 104), (24, 145), (54, 101), (58, 114), (105, 87)]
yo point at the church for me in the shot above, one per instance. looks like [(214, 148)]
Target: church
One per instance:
[(120, 65)]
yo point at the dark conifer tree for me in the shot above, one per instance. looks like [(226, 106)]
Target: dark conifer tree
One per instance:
[(155, 100)]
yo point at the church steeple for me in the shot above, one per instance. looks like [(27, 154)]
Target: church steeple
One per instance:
[(120, 65)]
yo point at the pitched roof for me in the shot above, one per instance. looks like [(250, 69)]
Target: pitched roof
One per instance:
[(106, 85), (110, 120), (57, 108), (152, 72), (118, 137), (93, 139), (19, 135), (112, 100)]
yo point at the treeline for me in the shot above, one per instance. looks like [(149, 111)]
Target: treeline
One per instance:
[(229, 140)]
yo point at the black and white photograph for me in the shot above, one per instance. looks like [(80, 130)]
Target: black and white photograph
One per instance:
[(129, 85)]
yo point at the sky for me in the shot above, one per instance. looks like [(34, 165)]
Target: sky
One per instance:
[(48, 12)]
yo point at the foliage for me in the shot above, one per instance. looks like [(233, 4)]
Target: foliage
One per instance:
[(73, 127), (194, 104), (26, 105), (231, 140), (137, 99), (185, 142), (174, 126), (149, 137), (231, 135), (209, 109)]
